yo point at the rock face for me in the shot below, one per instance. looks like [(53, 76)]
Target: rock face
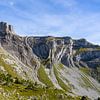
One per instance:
[(51, 51), (41, 50), (5, 28), (56, 49)]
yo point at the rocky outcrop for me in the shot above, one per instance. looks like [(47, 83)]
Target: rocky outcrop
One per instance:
[(5, 28), (83, 43)]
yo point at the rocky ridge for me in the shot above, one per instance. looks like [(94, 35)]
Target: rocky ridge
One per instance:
[(71, 65)]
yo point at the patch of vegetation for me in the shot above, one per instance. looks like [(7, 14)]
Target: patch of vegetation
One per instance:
[(43, 77), (61, 83), (61, 66), (50, 38), (80, 50), (85, 70), (24, 90), (8, 68)]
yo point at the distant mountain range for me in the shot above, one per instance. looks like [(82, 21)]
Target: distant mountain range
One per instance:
[(47, 68)]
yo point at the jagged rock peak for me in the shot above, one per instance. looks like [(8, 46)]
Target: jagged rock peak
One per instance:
[(6, 28)]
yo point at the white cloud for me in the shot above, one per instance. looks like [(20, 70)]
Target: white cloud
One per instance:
[(65, 3), (7, 2), (11, 3)]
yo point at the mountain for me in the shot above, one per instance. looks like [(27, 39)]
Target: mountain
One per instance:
[(47, 68)]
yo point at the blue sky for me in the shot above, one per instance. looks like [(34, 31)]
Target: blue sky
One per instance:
[(75, 18)]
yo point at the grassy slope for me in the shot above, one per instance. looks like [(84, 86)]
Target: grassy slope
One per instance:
[(87, 81), (43, 77), (61, 83), (24, 90), (8, 68)]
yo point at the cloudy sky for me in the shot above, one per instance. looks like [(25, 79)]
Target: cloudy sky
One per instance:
[(75, 18)]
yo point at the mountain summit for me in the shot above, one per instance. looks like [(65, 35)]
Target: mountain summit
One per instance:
[(62, 64)]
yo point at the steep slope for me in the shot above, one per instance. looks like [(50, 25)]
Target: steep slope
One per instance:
[(71, 66), (17, 82)]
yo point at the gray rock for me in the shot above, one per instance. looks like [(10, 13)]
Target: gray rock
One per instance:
[(5, 28), (50, 50)]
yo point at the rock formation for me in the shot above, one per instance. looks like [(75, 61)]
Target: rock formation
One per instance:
[(5, 28), (51, 52)]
